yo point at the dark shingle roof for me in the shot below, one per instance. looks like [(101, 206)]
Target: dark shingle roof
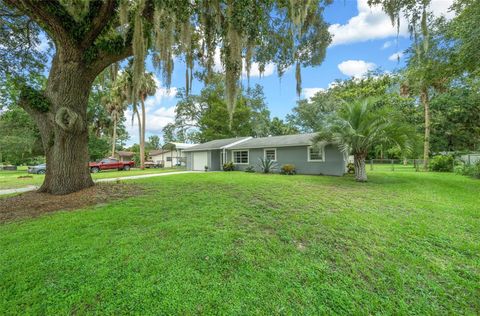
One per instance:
[(276, 141), (125, 153), (215, 144)]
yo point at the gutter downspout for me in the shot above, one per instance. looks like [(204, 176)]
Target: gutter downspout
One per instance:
[(224, 158)]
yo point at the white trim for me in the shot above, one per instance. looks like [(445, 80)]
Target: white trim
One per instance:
[(241, 163), (235, 143), (322, 148), (265, 153), (276, 146)]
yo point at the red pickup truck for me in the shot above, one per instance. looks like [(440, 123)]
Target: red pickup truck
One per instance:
[(110, 163)]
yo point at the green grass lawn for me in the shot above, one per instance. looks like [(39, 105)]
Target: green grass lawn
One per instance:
[(238, 243), (11, 180)]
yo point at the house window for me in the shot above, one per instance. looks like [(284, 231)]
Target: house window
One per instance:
[(240, 156), (169, 158), (316, 153), (270, 154)]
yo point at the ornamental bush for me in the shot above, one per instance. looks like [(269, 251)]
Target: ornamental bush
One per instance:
[(267, 165), (442, 163), (228, 166), (288, 169), (250, 169), (351, 168)]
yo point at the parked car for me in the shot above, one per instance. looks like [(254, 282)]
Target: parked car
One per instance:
[(110, 163), (153, 164), (38, 169)]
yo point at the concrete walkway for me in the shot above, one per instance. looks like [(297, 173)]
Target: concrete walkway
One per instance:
[(145, 176), (33, 187), (19, 190)]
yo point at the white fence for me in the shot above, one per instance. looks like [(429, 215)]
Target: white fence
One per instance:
[(470, 158)]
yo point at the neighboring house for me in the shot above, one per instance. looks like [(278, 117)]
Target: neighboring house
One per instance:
[(125, 155), (158, 156), (324, 158), (171, 155)]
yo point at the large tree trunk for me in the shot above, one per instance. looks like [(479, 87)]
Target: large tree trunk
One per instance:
[(142, 139), (426, 143), (114, 136), (60, 110), (360, 170), (63, 127)]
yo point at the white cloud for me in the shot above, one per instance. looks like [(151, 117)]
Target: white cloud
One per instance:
[(442, 7), (161, 94), (310, 92), (43, 46), (372, 23), (387, 44), (355, 68), (333, 84), (395, 57), (254, 70)]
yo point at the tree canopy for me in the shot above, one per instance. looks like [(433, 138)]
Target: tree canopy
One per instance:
[(204, 117), (283, 32)]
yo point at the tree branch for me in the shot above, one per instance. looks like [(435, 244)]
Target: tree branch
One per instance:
[(50, 15), (105, 59), (43, 119), (101, 18)]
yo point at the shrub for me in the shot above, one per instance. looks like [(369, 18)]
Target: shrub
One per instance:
[(288, 169), (267, 165), (250, 169), (475, 172), (351, 168), (441, 163), (461, 169), (228, 166), (472, 170)]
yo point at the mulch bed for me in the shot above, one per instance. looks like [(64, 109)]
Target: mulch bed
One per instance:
[(33, 204)]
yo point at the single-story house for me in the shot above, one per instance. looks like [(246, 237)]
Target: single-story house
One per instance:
[(299, 150), (171, 154), (125, 155)]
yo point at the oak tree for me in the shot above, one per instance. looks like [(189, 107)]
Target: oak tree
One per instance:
[(90, 35)]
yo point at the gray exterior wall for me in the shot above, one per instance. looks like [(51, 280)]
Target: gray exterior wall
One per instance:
[(189, 156), (214, 161), (334, 163)]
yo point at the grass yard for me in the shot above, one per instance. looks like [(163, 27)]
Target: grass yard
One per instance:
[(238, 243), (11, 180)]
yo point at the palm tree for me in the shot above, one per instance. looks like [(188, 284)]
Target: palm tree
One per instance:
[(134, 93), (357, 127), (146, 87), (115, 105)]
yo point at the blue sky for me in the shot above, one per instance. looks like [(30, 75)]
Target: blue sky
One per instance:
[(363, 39)]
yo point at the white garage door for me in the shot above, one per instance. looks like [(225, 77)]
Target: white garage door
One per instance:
[(200, 160)]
